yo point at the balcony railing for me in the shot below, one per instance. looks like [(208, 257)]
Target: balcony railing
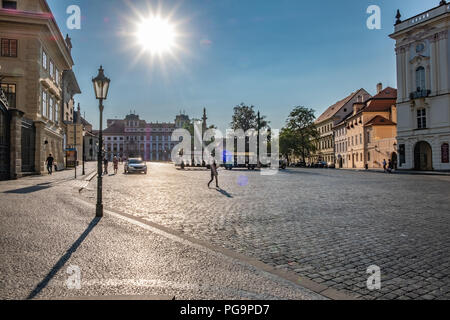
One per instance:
[(428, 15), (419, 94)]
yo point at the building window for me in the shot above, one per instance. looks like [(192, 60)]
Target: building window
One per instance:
[(421, 119), (401, 151), (9, 4), (56, 112), (444, 153), (51, 70), (9, 48), (420, 78), (368, 156), (50, 107), (44, 60), (368, 136), (10, 92), (44, 110), (57, 76)]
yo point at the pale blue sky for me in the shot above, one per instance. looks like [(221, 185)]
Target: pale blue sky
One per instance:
[(272, 54)]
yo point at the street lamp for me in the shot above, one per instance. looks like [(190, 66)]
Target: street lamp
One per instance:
[(101, 87)]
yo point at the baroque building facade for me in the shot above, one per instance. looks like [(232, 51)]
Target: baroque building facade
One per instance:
[(367, 136), (325, 145), (133, 137), (423, 77), (34, 57)]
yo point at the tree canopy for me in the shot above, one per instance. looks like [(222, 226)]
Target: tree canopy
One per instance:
[(297, 137), (246, 118)]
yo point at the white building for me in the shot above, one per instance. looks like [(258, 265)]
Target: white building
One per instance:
[(423, 79)]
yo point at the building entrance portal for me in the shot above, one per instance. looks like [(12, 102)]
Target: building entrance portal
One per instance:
[(4, 143), (423, 156)]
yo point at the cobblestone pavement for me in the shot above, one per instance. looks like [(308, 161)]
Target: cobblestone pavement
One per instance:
[(45, 229), (327, 225)]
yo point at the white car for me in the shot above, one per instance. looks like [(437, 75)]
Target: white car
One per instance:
[(135, 165)]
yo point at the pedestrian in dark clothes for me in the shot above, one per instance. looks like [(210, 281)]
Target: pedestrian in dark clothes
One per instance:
[(214, 174), (49, 163), (105, 164)]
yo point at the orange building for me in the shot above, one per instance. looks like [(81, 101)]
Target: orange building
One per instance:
[(370, 132)]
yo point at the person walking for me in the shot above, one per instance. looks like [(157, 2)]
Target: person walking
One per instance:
[(390, 166), (49, 163), (116, 164), (384, 165), (105, 164), (214, 174)]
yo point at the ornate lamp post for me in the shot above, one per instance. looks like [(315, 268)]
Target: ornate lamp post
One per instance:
[(101, 87)]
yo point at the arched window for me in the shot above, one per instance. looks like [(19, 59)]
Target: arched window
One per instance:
[(420, 78)]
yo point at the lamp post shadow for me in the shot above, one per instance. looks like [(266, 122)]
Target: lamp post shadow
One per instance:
[(62, 261)]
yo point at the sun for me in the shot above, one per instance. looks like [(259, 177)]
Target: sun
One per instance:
[(156, 35)]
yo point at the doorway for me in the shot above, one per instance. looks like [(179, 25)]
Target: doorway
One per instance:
[(423, 156), (4, 143)]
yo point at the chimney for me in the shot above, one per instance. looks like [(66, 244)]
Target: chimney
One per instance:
[(379, 87)]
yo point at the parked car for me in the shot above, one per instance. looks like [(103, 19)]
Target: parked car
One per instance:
[(300, 164), (135, 165), (320, 164), (331, 165)]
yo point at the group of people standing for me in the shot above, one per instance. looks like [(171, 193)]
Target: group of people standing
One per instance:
[(388, 166), (115, 162)]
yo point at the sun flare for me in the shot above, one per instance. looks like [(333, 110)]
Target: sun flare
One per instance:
[(156, 35)]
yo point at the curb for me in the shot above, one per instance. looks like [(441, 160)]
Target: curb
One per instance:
[(88, 179), (116, 298), (401, 172), (91, 176), (303, 282)]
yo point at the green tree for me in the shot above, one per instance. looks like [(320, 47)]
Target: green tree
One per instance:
[(246, 118), (288, 143), (299, 134)]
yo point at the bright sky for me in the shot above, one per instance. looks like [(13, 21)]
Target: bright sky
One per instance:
[(274, 54)]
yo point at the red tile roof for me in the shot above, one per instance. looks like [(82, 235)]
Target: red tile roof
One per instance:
[(387, 93), (379, 121), (117, 128), (331, 111), (380, 105)]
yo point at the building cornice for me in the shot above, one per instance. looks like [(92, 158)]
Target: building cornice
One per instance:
[(45, 20), (430, 16)]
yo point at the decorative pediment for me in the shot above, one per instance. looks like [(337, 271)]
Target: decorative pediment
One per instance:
[(417, 60)]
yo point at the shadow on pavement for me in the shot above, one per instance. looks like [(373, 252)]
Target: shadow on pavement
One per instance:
[(29, 189), (37, 187), (301, 172), (62, 261), (226, 194)]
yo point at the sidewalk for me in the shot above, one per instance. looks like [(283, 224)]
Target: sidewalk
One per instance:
[(412, 172), (47, 235)]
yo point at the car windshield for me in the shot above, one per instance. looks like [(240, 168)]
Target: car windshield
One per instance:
[(134, 161)]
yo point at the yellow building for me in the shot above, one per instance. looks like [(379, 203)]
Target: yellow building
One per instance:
[(326, 123), (369, 132), (38, 82)]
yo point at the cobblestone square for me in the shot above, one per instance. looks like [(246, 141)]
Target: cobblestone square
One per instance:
[(326, 225)]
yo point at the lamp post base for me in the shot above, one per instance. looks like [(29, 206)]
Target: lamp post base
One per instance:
[(99, 211)]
